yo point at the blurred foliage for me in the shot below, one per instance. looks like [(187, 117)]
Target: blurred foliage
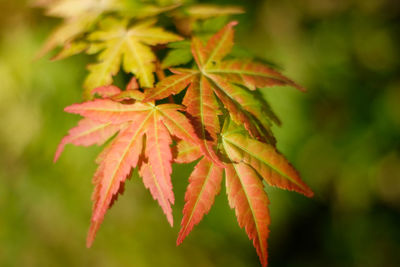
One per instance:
[(343, 136)]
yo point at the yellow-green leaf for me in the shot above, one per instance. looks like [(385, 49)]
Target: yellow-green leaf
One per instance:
[(129, 46)]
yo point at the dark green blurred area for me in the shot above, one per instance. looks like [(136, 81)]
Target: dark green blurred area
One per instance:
[(343, 136)]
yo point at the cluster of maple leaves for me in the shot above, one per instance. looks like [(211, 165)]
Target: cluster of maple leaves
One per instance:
[(221, 121)]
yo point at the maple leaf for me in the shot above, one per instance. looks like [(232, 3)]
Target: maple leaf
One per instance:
[(245, 193), (230, 81), (264, 158), (79, 16), (129, 45), (249, 162), (143, 141)]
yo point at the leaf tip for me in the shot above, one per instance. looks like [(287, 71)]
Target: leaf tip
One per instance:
[(179, 241), (305, 190), (300, 88), (56, 156), (170, 220), (181, 236), (94, 226), (59, 150), (89, 243), (71, 108), (233, 23), (309, 193)]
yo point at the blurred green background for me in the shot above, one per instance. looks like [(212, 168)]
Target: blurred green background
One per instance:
[(342, 135)]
